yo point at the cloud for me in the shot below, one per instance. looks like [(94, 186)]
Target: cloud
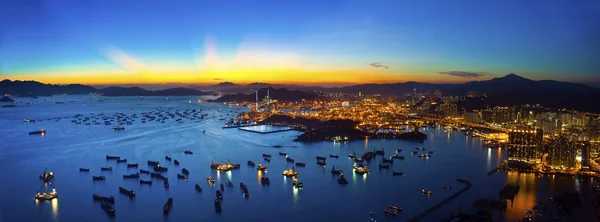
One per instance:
[(378, 65), (217, 79), (125, 60), (463, 74)]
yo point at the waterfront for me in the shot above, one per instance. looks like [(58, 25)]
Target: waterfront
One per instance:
[(67, 146)]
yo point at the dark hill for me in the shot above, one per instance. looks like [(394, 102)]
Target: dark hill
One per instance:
[(282, 94), (136, 91), (33, 88), (5, 99)]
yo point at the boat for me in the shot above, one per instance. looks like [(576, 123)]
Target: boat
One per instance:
[(266, 155), (98, 178), (390, 211), (250, 163), (321, 158), (426, 155), (380, 152), (267, 159), (110, 199), (352, 155), (431, 152), (188, 152), (144, 171), (387, 160), (426, 192), (265, 180), (261, 167), (297, 184), (282, 154), (198, 188), (446, 187), (149, 182), (210, 180), (218, 205), (122, 161), (166, 183), (176, 162), (395, 207), (245, 192), (105, 168), (43, 131), (398, 173), (290, 172), (401, 158), (153, 163), (383, 166), (179, 176), (47, 176), (46, 196), (118, 128), (334, 171), (222, 187), (300, 164), (224, 166), (219, 195), (84, 170), (413, 152), (168, 206), (167, 158), (342, 180), (109, 209), (334, 156), (243, 186), (132, 165), (129, 193), (160, 169), (398, 150), (362, 170), (288, 159), (131, 176), (157, 176), (185, 171)]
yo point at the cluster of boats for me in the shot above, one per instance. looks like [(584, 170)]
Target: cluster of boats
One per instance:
[(392, 210), (42, 195)]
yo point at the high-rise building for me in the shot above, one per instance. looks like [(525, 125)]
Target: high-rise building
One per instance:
[(498, 115), (585, 153), (525, 145), (472, 117), (550, 127), (562, 153)]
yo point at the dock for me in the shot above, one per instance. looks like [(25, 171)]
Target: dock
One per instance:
[(444, 201)]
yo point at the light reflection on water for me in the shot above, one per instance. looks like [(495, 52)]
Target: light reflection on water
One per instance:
[(54, 204)]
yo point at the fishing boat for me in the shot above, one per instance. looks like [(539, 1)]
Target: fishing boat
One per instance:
[(46, 176), (342, 180), (266, 155), (321, 158), (219, 195), (218, 205), (129, 193), (250, 163), (383, 166), (398, 173), (153, 163), (387, 160), (166, 183), (390, 211), (144, 171), (168, 206), (176, 162), (297, 184), (132, 176), (426, 192), (160, 169), (334, 171), (98, 178), (334, 156), (290, 172), (398, 150), (261, 167), (352, 155), (362, 170), (282, 154), (229, 183), (188, 152), (321, 162), (288, 159), (46, 196), (84, 170), (122, 161), (185, 171), (413, 152), (110, 199), (224, 166), (300, 164), (198, 188), (179, 176), (157, 176), (446, 187), (43, 131), (210, 180), (267, 159), (132, 165), (265, 180), (167, 158), (109, 209), (149, 182), (222, 187), (395, 207), (380, 152), (105, 168)]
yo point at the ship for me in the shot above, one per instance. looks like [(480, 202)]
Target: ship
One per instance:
[(168, 206), (362, 170), (110, 199), (43, 131), (224, 166), (116, 128), (47, 176), (290, 172), (46, 196), (261, 167), (109, 209)]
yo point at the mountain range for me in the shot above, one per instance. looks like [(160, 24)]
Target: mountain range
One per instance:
[(281, 94)]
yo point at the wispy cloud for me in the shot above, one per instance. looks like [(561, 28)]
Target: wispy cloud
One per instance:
[(125, 60), (463, 74), (217, 79), (378, 65)]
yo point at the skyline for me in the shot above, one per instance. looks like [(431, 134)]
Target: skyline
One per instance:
[(313, 43)]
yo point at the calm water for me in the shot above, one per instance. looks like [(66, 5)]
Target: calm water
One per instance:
[(66, 147), (265, 128)]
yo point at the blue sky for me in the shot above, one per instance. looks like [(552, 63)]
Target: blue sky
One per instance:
[(298, 40)]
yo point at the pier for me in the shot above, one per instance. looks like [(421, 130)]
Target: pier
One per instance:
[(445, 201), (493, 171)]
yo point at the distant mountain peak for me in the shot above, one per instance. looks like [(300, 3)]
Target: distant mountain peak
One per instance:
[(514, 77), (226, 84)]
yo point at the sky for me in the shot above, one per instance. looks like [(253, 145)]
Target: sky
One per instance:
[(300, 42)]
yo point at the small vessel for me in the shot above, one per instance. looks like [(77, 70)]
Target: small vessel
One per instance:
[(105, 168), (167, 158), (109, 209), (413, 152), (46, 196), (446, 187), (188, 152), (426, 155), (179, 176), (266, 155), (398, 173), (110, 199), (401, 158), (185, 171), (98, 178), (132, 165), (297, 184), (43, 131), (144, 171), (166, 183), (383, 166), (84, 170), (222, 187), (321, 162), (242, 186), (261, 167), (398, 150), (334, 171), (149, 182), (390, 211), (267, 159), (395, 207), (118, 128), (426, 192), (122, 161), (380, 152), (176, 162), (431, 152), (387, 160), (265, 180), (288, 159), (160, 169), (198, 188), (129, 193), (132, 176), (219, 195), (210, 180), (300, 164), (46, 176), (229, 183), (321, 158), (290, 172), (342, 180), (334, 156), (218, 205), (362, 170), (153, 163), (168, 206), (282, 154), (250, 163), (352, 155)]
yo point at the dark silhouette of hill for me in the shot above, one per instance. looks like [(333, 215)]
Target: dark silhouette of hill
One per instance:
[(282, 94), (6, 99), (33, 88), (229, 87), (136, 91)]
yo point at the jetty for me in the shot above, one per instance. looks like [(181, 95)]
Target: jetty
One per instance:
[(444, 201)]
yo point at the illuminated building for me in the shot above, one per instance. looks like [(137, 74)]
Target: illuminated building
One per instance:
[(550, 127), (525, 145), (562, 153), (498, 115), (472, 117), (585, 154)]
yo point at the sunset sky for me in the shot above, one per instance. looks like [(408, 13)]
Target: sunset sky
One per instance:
[(306, 42)]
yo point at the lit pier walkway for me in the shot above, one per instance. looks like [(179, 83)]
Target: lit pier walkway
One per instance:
[(441, 203)]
